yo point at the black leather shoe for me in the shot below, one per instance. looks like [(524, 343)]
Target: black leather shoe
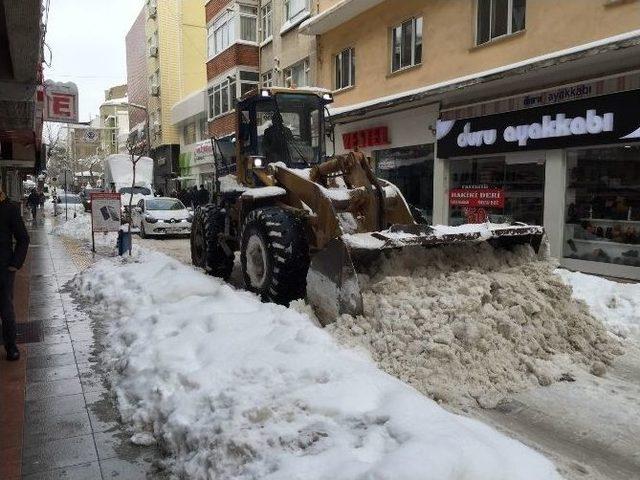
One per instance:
[(13, 354)]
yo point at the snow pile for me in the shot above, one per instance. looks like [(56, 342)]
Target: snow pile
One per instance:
[(237, 389), (465, 324), (79, 228), (616, 304)]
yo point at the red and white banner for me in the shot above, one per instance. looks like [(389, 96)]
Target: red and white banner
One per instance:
[(61, 102), (476, 197)]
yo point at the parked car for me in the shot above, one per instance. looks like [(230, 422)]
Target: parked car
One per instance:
[(85, 195), (161, 216), (69, 201)]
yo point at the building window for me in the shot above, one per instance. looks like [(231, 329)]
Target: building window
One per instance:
[(222, 34), (294, 9), (297, 75), (189, 133), (248, 82), (203, 129), (266, 22), (603, 205), (248, 23), (222, 97), (267, 79), (499, 17), (345, 68), (406, 44)]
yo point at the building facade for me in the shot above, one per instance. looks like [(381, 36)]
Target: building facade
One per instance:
[(164, 64), (252, 43), (503, 111), (21, 94), (114, 121)]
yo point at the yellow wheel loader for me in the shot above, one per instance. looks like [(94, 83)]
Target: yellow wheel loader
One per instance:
[(306, 224)]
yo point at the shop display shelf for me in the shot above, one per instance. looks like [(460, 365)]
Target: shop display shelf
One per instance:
[(606, 242), (606, 220)]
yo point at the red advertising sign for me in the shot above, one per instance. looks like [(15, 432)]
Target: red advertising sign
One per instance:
[(370, 137), (61, 102), (476, 197)]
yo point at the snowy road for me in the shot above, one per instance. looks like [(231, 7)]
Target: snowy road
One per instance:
[(588, 427)]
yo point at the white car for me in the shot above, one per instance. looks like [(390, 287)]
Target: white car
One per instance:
[(161, 216), (68, 203)]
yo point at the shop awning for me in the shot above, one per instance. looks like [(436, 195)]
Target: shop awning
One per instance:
[(336, 15)]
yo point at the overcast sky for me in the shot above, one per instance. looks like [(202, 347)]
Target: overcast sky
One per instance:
[(87, 40)]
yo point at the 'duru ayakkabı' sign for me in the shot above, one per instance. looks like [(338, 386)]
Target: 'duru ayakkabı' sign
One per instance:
[(594, 121)]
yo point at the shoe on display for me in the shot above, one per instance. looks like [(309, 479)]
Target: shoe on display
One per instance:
[(13, 354)]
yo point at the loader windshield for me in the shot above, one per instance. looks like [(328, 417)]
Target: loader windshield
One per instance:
[(290, 129)]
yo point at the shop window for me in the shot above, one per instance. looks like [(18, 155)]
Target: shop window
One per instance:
[(496, 189), (603, 205), (297, 75), (345, 65), (266, 22), (406, 48), (499, 17), (411, 170)]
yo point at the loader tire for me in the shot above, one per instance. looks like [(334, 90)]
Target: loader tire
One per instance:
[(206, 251), (275, 255)]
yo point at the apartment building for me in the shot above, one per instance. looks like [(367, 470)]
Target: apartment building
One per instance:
[(501, 110), (114, 121), (252, 43), (165, 48)]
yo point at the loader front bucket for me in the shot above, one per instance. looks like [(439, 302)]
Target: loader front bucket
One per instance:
[(333, 287)]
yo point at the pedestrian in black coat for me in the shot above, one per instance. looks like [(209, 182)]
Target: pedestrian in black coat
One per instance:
[(12, 256), (203, 195)]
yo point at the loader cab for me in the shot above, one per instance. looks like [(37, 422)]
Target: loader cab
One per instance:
[(280, 125)]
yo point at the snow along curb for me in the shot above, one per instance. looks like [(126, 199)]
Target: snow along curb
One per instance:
[(234, 388)]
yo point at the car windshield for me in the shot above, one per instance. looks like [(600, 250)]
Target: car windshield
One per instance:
[(164, 204), (135, 190)]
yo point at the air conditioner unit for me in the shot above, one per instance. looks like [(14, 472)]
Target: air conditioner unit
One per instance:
[(155, 90), (153, 51)]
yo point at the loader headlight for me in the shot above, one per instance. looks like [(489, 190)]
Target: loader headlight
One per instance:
[(328, 97), (265, 93), (257, 162)]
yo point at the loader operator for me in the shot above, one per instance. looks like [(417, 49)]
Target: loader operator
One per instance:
[(276, 140)]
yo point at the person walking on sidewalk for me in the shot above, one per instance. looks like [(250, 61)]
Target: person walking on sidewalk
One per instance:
[(33, 200), (11, 259)]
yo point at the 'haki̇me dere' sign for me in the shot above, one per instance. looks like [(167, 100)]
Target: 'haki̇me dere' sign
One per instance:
[(594, 121)]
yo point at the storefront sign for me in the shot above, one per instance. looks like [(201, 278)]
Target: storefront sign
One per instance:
[(105, 212), (61, 102), (203, 152), (369, 137), (475, 197), (594, 121)]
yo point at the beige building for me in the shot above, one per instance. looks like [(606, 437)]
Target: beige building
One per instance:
[(165, 63), (114, 121), (497, 110)]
